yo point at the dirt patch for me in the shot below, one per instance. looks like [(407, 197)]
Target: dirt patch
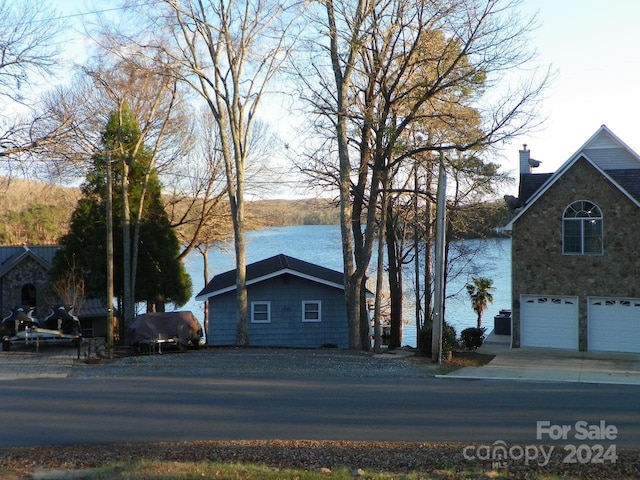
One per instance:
[(470, 359), (458, 359)]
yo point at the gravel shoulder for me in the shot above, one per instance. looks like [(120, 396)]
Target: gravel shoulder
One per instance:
[(265, 362)]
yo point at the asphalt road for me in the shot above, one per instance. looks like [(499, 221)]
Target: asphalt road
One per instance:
[(95, 410)]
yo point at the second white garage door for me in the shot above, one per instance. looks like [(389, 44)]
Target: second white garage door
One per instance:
[(549, 321), (614, 324)]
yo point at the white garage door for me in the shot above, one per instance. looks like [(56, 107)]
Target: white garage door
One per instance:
[(614, 324), (549, 321)]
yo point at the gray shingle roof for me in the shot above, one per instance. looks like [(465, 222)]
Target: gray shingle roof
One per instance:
[(271, 267), (10, 256), (530, 183), (628, 179)]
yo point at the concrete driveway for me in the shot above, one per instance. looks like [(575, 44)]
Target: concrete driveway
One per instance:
[(551, 365)]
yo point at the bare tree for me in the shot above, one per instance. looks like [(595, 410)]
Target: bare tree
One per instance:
[(158, 109), (29, 54), (196, 200), (118, 82), (391, 65), (228, 52)]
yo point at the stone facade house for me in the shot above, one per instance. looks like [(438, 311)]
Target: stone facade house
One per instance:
[(24, 278), (292, 303), (24, 282), (575, 258)]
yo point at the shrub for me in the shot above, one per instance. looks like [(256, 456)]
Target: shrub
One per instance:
[(449, 341), (472, 338)]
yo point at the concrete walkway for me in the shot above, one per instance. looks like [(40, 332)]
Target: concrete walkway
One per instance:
[(47, 361), (551, 365)]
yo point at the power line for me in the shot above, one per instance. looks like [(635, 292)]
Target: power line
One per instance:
[(80, 14), (95, 12)]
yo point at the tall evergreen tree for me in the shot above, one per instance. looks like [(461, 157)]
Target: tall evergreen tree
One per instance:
[(161, 276)]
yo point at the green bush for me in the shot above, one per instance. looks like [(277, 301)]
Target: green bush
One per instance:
[(472, 338), (449, 341)]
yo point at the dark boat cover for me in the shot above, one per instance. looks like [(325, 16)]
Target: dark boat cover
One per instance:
[(61, 318), (17, 321), (181, 327)]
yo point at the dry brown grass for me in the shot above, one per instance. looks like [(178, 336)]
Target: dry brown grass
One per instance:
[(17, 195), (469, 359)]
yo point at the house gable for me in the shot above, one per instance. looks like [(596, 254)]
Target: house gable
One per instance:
[(272, 267), (541, 270), (12, 256), (609, 155)]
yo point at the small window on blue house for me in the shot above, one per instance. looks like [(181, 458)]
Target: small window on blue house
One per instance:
[(311, 311), (260, 312), (582, 229)]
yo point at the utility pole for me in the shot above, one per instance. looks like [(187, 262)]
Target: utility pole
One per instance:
[(109, 207), (439, 270)]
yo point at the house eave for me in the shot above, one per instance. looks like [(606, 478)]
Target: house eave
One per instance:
[(205, 296)]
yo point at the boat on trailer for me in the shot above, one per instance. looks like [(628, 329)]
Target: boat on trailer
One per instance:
[(60, 326)]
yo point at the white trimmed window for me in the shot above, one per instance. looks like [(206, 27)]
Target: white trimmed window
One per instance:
[(582, 229), (260, 312), (312, 311)]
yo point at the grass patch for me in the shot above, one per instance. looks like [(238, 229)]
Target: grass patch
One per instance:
[(159, 470), (163, 470)]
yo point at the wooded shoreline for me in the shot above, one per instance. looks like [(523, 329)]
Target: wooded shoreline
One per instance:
[(35, 213)]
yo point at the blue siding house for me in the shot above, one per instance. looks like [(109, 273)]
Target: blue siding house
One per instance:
[(291, 303)]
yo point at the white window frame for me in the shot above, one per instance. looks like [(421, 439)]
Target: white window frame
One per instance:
[(576, 214), (304, 311), (253, 311)]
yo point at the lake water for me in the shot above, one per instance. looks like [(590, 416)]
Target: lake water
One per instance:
[(320, 244)]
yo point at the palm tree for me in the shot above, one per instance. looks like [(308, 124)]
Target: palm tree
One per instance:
[(480, 294)]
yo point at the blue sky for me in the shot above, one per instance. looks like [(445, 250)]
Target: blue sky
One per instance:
[(591, 46)]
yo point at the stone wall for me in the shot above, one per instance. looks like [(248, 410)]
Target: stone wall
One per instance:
[(539, 266), (29, 271)]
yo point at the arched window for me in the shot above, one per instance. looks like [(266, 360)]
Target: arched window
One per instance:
[(582, 229), (28, 295)]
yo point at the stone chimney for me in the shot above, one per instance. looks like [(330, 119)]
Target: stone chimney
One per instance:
[(527, 164), (525, 156)]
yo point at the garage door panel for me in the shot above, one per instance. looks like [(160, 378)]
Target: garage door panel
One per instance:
[(614, 324), (549, 321)]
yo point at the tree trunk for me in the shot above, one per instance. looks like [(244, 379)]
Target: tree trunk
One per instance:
[(394, 274), (128, 298), (428, 255), (237, 214), (205, 271), (365, 323)]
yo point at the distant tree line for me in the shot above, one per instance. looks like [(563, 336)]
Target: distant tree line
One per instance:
[(43, 219), (43, 223)]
